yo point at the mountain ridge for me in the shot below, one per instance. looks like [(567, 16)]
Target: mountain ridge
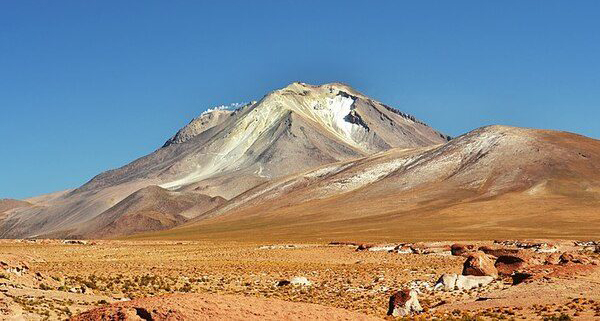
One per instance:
[(495, 181)]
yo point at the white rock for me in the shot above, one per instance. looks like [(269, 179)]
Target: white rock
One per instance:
[(450, 282), (401, 305), (300, 281), (385, 248)]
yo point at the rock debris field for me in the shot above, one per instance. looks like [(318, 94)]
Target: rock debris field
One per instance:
[(96, 280)]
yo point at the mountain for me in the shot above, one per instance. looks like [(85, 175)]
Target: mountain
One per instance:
[(494, 182), (223, 153)]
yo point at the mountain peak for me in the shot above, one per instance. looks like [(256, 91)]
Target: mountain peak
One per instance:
[(302, 88)]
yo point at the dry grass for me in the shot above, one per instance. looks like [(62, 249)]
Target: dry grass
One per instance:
[(514, 215)]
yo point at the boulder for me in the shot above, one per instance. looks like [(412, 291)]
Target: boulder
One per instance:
[(461, 249), (479, 264), (296, 281), (451, 282), (300, 281), (404, 303), (507, 264)]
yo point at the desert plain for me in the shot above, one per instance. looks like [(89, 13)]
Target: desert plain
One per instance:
[(153, 280)]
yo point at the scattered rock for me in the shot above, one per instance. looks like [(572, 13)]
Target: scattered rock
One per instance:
[(404, 303), (479, 264)]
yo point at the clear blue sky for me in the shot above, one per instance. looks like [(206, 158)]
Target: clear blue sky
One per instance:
[(86, 86)]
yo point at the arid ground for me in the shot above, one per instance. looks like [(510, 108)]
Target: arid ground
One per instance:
[(49, 279)]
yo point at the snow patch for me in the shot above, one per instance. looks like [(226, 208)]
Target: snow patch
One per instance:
[(232, 106), (340, 107)]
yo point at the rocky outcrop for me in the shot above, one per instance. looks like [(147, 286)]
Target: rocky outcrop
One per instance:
[(207, 120), (404, 303)]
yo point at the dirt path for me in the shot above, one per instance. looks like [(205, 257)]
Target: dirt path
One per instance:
[(217, 307)]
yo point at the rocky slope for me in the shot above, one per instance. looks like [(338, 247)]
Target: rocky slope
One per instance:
[(495, 181), (226, 152)]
